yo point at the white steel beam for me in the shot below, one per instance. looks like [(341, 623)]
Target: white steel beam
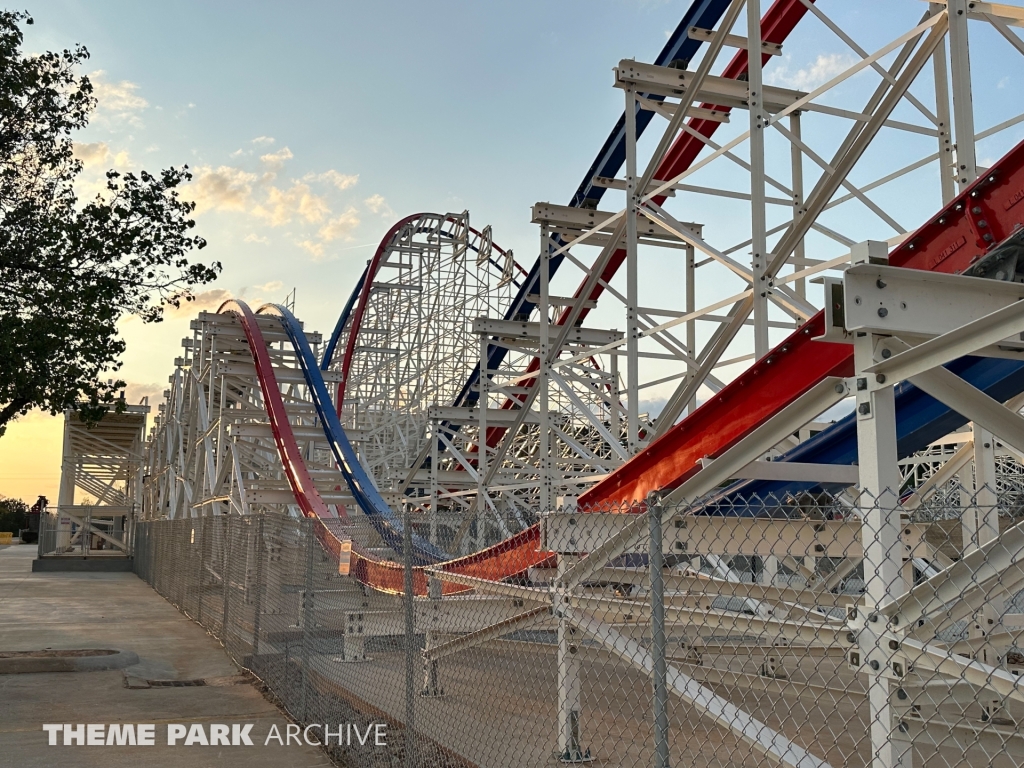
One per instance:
[(733, 41), (973, 404), (524, 620), (929, 599), (952, 345), (632, 280), (774, 746), (963, 99), (896, 300), (924, 656), (758, 221), (791, 471), (814, 402)]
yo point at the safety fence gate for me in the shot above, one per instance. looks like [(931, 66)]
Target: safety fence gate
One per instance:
[(807, 631)]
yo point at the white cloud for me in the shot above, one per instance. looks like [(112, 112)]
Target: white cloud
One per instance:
[(281, 206), (226, 188), (135, 391), (342, 227), (254, 238), (271, 287), (315, 249), (117, 100), (92, 154), (819, 72), (377, 204), (97, 157), (275, 160), (263, 140), (340, 180), (204, 301)]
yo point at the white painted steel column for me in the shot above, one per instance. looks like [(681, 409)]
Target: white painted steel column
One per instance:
[(758, 222), (883, 553), (409, 723), (66, 493), (434, 510), (481, 442), (940, 73), (547, 479), (963, 100), (569, 692), (616, 393), (691, 325), (980, 525), (632, 291), (797, 162), (659, 676)]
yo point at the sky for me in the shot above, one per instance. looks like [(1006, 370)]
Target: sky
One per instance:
[(311, 127)]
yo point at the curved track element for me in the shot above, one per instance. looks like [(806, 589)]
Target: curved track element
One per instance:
[(365, 492), (506, 559), (306, 494)]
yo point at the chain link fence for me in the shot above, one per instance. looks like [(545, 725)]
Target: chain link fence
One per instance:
[(806, 631)]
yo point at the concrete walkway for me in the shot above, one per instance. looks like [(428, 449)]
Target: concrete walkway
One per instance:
[(120, 611)]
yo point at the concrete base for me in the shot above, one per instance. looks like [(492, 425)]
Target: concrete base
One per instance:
[(64, 563), (118, 610)]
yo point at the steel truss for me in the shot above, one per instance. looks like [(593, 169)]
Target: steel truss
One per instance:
[(483, 397), (103, 462)]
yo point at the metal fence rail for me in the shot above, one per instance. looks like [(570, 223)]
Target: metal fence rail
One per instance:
[(721, 633)]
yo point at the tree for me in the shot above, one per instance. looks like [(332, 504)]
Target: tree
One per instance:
[(13, 515), (69, 271)]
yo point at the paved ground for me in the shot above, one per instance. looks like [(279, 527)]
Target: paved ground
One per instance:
[(119, 611)]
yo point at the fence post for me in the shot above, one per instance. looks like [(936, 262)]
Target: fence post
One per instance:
[(201, 580), (225, 578), (87, 533), (259, 589), (659, 675), (307, 613), (410, 637)]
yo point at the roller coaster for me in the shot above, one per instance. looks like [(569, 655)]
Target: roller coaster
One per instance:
[(481, 416)]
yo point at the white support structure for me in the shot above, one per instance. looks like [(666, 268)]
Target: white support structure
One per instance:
[(883, 554), (963, 97), (485, 395), (758, 222), (104, 463), (570, 745)]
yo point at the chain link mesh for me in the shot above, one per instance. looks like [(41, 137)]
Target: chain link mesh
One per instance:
[(820, 630)]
